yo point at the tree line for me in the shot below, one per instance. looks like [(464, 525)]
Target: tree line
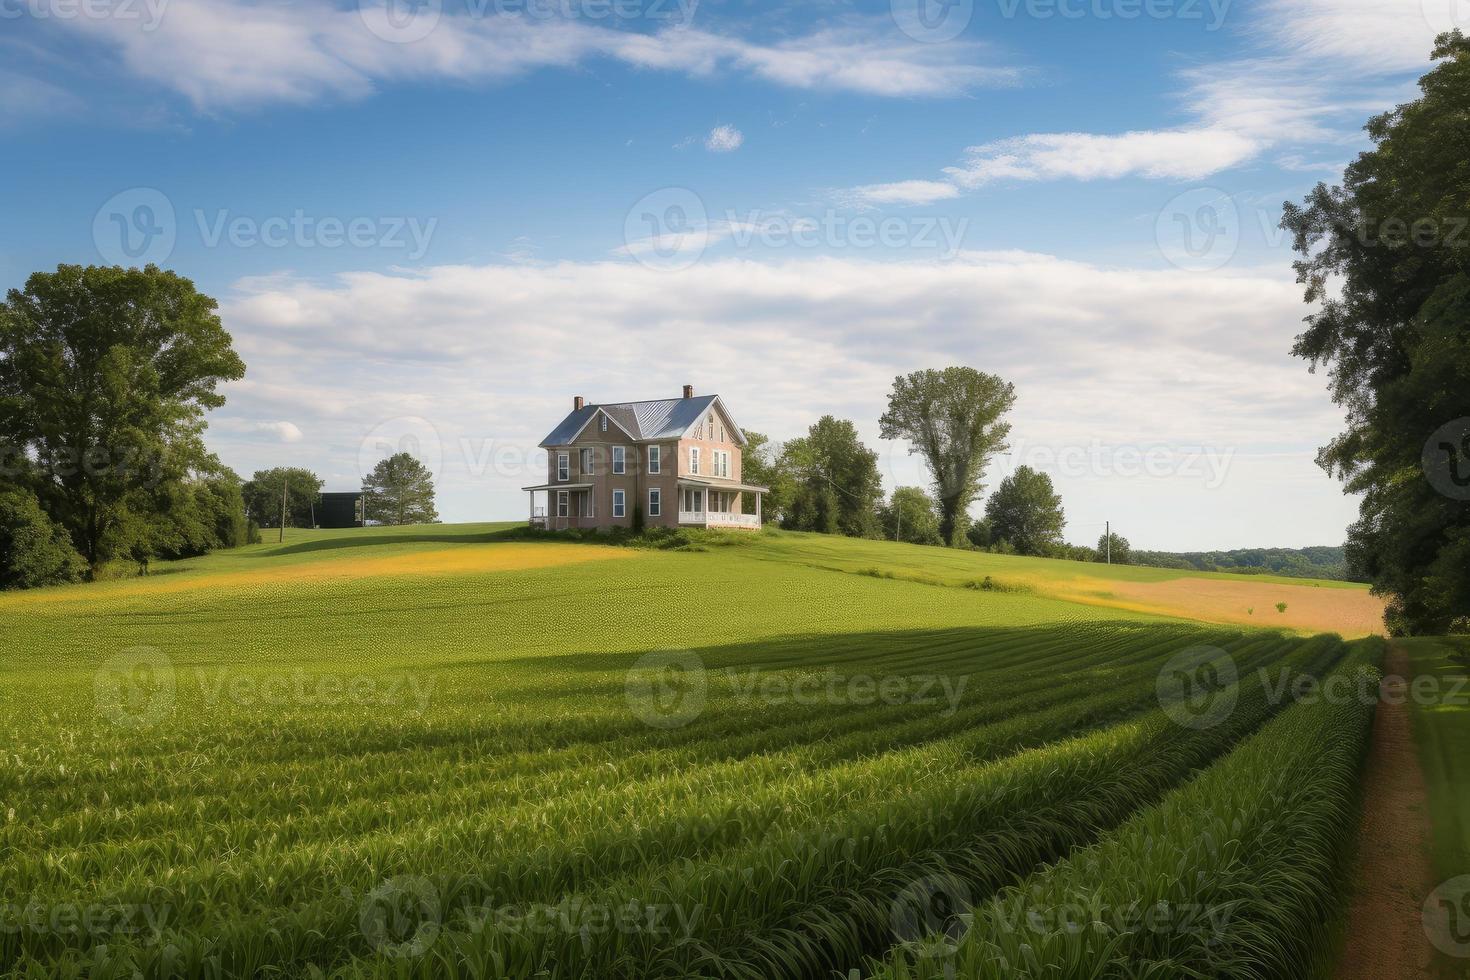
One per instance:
[(399, 490), (106, 375), (828, 481)]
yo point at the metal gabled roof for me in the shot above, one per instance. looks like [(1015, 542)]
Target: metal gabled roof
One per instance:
[(662, 418)]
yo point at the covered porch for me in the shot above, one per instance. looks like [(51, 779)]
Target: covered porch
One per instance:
[(561, 506), (707, 503)]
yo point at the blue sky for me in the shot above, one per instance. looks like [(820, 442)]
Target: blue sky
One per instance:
[(433, 223)]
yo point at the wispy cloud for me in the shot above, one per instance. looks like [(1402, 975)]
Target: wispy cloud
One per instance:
[(900, 192), (1238, 110), (234, 53)]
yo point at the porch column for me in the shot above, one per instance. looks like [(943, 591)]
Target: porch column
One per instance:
[(758, 497), (532, 517)]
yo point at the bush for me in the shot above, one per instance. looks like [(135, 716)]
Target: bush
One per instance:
[(33, 550)]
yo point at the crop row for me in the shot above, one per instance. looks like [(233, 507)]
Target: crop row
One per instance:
[(543, 836), (1235, 874)]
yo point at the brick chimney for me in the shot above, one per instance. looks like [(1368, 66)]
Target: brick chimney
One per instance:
[(688, 391), (578, 402)]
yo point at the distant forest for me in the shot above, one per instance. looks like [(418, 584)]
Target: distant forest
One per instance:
[(1317, 562)]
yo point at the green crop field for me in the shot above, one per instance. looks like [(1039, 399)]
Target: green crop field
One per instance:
[(448, 752)]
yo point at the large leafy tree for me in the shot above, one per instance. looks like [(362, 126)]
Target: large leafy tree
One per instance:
[(1026, 512), (1386, 258), (953, 418), (400, 490), (105, 376), (263, 496), (834, 479)]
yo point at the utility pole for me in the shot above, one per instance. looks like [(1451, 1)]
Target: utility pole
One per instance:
[(285, 482), (1108, 537)]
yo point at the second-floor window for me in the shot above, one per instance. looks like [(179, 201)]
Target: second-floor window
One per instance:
[(620, 459), (563, 466), (655, 459), (693, 459), (586, 462), (722, 463)]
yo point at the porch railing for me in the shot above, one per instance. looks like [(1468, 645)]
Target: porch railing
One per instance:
[(711, 518)]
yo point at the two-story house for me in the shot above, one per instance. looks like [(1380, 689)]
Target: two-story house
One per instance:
[(676, 460)]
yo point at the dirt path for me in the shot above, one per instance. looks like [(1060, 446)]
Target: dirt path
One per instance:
[(1385, 932)]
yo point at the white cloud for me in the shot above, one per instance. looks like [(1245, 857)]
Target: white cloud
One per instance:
[(1382, 36), (282, 431), (901, 192), (1184, 154), (786, 342), (724, 139), (231, 53)]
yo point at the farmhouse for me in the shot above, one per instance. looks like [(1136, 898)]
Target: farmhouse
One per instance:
[(673, 461)]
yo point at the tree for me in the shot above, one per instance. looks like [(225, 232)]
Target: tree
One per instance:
[(1386, 259), (263, 496), (910, 516), (953, 418), (33, 550), (400, 490), (1025, 511), (105, 376), (835, 482), (1120, 551)]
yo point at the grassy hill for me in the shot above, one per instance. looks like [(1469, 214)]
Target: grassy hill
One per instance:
[(443, 751)]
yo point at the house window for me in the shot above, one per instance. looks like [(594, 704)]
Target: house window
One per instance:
[(693, 459), (655, 502), (620, 459), (586, 462), (619, 504), (602, 423), (655, 462), (563, 466), (722, 463), (561, 503)]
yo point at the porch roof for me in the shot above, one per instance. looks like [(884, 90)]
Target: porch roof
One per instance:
[(694, 481), (560, 486)]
